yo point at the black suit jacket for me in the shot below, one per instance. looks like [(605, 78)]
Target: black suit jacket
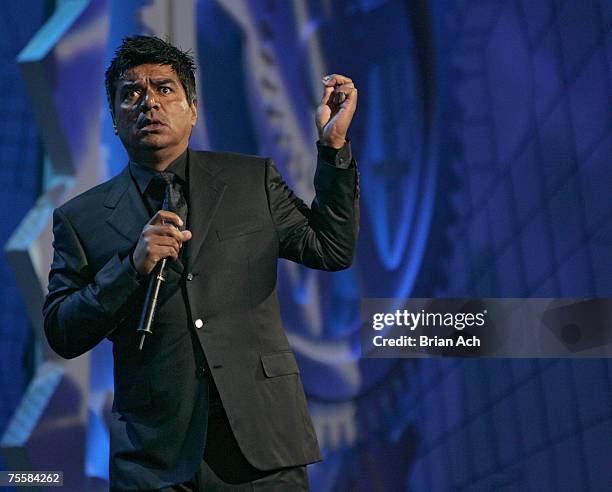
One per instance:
[(243, 218)]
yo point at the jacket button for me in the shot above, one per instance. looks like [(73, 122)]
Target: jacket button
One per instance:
[(199, 323), (190, 277)]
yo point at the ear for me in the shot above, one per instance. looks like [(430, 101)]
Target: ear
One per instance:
[(112, 115), (194, 112)]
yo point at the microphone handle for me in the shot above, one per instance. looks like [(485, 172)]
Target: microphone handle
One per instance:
[(148, 311)]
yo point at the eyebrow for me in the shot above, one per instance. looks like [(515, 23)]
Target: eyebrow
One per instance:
[(129, 84), (164, 82)]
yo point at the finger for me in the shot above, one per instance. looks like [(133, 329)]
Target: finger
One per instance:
[(335, 79), (158, 255), (166, 216), (351, 94), (327, 92), (156, 250), (344, 87), (164, 230), (346, 99), (163, 252), (165, 241), (341, 92)]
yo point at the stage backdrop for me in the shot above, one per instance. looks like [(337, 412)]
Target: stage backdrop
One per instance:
[(483, 139)]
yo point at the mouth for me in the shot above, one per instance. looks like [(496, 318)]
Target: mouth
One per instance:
[(149, 124)]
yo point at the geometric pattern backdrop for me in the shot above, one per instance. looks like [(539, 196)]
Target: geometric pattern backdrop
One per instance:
[(533, 86), (21, 158)]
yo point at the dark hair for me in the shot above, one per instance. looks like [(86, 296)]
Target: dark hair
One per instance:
[(138, 50)]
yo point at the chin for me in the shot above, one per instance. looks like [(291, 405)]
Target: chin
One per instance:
[(152, 143)]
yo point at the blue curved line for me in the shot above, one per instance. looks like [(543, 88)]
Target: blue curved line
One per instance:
[(391, 244), (423, 225)]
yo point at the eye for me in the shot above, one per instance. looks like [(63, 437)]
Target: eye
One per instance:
[(131, 94), (165, 89)]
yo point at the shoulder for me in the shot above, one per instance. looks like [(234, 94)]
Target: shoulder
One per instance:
[(93, 197), (227, 159), (232, 166)]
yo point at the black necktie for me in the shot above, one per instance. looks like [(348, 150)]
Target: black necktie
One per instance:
[(173, 199), (166, 185)]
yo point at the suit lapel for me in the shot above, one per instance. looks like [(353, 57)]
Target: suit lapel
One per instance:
[(205, 193), (129, 215)]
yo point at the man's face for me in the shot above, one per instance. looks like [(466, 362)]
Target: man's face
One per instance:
[(152, 114)]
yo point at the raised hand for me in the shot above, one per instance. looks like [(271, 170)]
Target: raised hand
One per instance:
[(336, 110)]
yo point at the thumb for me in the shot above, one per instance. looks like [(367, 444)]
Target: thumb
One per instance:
[(327, 92)]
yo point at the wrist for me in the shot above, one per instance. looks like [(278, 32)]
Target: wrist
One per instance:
[(340, 158), (135, 271), (336, 144)]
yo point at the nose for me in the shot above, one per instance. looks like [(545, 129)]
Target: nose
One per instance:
[(148, 101)]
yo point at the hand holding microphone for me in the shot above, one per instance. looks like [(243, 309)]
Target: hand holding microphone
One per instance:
[(160, 238)]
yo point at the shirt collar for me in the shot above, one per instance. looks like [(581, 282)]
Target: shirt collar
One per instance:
[(143, 174)]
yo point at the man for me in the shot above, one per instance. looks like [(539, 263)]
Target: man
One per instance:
[(214, 400)]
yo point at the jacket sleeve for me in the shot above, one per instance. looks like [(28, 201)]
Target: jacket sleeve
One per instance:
[(324, 235), (82, 308)]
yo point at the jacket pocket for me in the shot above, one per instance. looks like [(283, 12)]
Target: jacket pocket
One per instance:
[(134, 394), (279, 364), (241, 229)]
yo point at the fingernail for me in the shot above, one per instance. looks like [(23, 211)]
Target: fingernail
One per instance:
[(180, 221)]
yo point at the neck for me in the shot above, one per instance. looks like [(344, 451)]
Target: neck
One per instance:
[(157, 160)]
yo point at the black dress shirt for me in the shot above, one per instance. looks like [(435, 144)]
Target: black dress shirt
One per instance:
[(142, 176)]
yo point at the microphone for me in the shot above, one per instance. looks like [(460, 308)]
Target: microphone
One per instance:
[(155, 282), (150, 303)]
